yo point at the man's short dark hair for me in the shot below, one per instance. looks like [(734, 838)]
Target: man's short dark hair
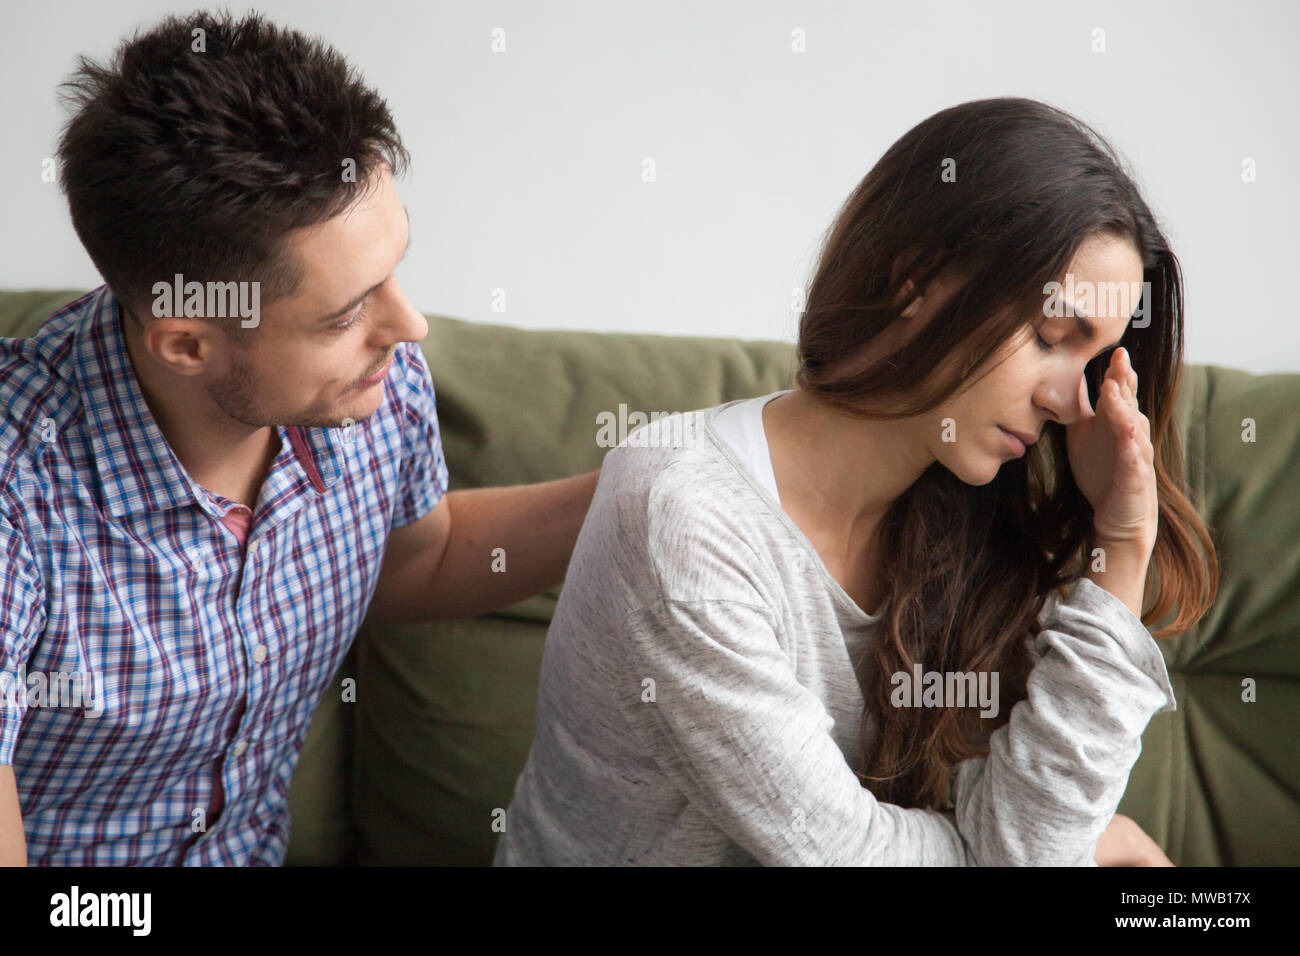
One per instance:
[(196, 152)]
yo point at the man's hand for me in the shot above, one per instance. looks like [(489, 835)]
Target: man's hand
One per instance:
[(1124, 843), (13, 842)]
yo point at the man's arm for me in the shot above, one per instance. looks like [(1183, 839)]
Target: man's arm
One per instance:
[(13, 843), (447, 563)]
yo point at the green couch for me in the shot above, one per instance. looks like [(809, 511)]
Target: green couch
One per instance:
[(412, 772)]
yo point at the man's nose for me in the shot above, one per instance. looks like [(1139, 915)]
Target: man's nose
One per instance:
[(407, 323)]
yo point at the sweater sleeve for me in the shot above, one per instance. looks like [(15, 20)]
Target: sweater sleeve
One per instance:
[(713, 697), (1057, 770)]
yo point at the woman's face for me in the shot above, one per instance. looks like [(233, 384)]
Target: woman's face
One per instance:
[(1036, 383)]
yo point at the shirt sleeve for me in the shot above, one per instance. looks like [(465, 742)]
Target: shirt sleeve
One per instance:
[(1057, 770), (423, 477), (22, 621), (751, 747)]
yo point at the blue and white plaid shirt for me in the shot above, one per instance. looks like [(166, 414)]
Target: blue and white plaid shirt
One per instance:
[(157, 677)]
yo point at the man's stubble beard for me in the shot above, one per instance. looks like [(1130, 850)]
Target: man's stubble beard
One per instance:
[(236, 396)]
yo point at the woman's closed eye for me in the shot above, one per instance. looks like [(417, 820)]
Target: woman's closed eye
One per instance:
[(1102, 356)]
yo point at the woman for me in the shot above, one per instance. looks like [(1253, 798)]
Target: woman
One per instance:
[(774, 603)]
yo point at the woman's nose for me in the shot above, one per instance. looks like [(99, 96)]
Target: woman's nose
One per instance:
[(1067, 403)]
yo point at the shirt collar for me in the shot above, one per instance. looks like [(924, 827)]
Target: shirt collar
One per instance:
[(136, 467)]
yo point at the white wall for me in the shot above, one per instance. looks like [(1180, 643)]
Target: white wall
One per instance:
[(528, 165)]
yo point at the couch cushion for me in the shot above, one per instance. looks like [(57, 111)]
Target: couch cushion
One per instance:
[(321, 827), (1218, 780)]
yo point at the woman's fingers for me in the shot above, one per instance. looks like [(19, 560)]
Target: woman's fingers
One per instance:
[(1118, 410), (1131, 375), (1121, 382), (1130, 383), (1122, 374)]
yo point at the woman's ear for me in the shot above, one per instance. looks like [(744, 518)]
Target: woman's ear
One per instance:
[(908, 263), (904, 295)]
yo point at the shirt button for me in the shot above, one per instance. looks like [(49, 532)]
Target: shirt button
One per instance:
[(240, 747), (259, 653), (252, 548)]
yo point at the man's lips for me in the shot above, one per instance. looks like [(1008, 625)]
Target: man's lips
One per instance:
[(378, 373)]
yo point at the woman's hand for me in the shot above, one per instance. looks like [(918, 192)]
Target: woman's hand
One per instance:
[(1113, 460), (1124, 843)]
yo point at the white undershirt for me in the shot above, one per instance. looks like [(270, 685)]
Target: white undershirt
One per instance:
[(742, 426)]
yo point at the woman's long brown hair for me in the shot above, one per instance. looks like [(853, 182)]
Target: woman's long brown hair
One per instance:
[(1001, 192)]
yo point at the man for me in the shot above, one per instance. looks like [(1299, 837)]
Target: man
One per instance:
[(214, 464)]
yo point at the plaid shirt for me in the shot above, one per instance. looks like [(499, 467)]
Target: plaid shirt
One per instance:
[(126, 588)]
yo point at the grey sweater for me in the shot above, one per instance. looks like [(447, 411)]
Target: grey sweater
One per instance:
[(698, 703)]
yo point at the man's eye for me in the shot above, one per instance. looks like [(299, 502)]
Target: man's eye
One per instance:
[(357, 317)]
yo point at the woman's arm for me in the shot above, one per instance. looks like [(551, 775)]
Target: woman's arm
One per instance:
[(712, 696), (1057, 770)]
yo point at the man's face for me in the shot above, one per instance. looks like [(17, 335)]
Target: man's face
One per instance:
[(301, 366)]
